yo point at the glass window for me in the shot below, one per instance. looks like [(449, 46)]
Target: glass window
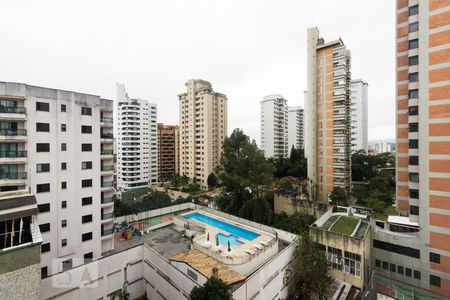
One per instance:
[(86, 236), (417, 274), (413, 44), (413, 94), (45, 247), (86, 147), (64, 185), (41, 168), (414, 210), (413, 127), (63, 204), (44, 207), (414, 77), (392, 267), (400, 270), (63, 223), (87, 111), (86, 183), (86, 165), (413, 110), (63, 127), (63, 146), (43, 187), (86, 201), (86, 129), (413, 10), (63, 166), (435, 280), (413, 27), (86, 219), (413, 144), (44, 227), (414, 193), (414, 60), (408, 272), (43, 127), (42, 147), (334, 257), (434, 257), (352, 263), (63, 108), (414, 177), (414, 160), (42, 106), (63, 242)]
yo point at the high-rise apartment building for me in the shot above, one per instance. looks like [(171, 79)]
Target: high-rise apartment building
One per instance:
[(57, 146), (203, 128), (328, 115), (137, 150), (296, 128), (359, 115), (168, 151), (419, 239), (274, 126)]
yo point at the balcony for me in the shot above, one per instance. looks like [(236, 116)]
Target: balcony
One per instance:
[(107, 168), (107, 137), (13, 154), (107, 200), (107, 232), (106, 122), (13, 110), (107, 185), (10, 134), (13, 176), (107, 216)]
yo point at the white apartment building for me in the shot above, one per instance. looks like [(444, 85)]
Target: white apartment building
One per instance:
[(296, 128), (57, 145), (359, 115), (274, 126), (203, 128), (137, 151)]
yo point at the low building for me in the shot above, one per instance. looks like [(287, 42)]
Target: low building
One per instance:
[(343, 233)]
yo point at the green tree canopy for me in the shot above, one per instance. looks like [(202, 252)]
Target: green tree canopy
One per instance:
[(213, 289), (338, 196), (212, 180)]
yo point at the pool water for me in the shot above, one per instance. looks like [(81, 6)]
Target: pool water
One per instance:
[(224, 239), (234, 230)]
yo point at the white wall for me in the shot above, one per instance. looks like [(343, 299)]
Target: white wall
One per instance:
[(359, 115)]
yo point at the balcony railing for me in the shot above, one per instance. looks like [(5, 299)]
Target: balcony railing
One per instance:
[(107, 184), (106, 120), (13, 176), (9, 132), (107, 168), (107, 231), (107, 200), (13, 154), (107, 152), (13, 110), (107, 216), (107, 136)]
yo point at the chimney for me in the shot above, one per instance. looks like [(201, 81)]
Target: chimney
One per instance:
[(215, 272)]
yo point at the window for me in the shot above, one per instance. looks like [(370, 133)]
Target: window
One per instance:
[(43, 207), (67, 265), (407, 251), (63, 127), (413, 10), (86, 201), (435, 280), (334, 257), (63, 146), (44, 272), (42, 147), (63, 223), (44, 227), (86, 236), (63, 204), (413, 44), (413, 193), (385, 265), (414, 160), (43, 127), (86, 129), (352, 263), (434, 257), (414, 210), (416, 274), (63, 108), (408, 272), (63, 166), (392, 267), (86, 165), (86, 147), (63, 242), (43, 188), (413, 144), (41, 168), (414, 60), (413, 127), (414, 177), (45, 247), (377, 263), (413, 110), (413, 94), (400, 270), (88, 257), (86, 182), (192, 274), (42, 106), (413, 27), (64, 185), (86, 219), (87, 111), (414, 77)]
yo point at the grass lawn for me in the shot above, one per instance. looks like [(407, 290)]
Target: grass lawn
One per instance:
[(345, 225), (129, 196)]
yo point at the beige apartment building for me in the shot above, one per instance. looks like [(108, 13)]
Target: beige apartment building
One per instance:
[(328, 116), (203, 128), (168, 151)]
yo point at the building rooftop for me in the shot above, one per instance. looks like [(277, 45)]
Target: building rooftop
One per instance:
[(204, 264)]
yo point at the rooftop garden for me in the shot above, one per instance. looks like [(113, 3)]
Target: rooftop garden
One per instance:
[(345, 225)]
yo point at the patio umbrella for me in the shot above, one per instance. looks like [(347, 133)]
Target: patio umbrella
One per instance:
[(217, 242), (207, 238), (229, 248)]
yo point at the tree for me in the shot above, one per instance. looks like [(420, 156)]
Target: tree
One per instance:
[(121, 294), (243, 170), (212, 180), (258, 210), (338, 196), (297, 223), (213, 289), (310, 275)]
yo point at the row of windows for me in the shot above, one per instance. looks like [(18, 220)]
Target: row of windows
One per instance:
[(45, 147), (45, 187), (44, 106), (402, 250), (397, 269), (45, 167)]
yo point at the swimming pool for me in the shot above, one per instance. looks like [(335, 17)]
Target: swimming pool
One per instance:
[(237, 231), (224, 239)]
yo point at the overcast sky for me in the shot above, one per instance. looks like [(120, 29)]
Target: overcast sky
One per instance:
[(246, 49)]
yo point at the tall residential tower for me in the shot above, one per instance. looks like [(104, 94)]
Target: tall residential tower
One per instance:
[(137, 151), (359, 115), (168, 151), (274, 126), (296, 128), (203, 128), (328, 115)]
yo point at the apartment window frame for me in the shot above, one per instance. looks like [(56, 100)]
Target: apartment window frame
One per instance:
[(43, 168), (86, 129), (414, 193), (63, 127), (42, 147), (86, 111), (87, 236), (84, 147), (44, 227), (43, 188), (64, 185), (64, 223), (413, 27), (435, 280), (45, 247), (413, 127), (86, 165), (413, 144), (413, 110), (435, 258), (86, 219), (86, 201), (413, 10), (42, 106), (413, 77), (44, 207), (42, 127), (64, 204), (413, 44), (63, 166), (63, 108), (85, 183), (413, 60), (414, 210)]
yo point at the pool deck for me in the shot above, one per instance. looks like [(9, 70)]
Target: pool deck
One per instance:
[(239, 253)]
